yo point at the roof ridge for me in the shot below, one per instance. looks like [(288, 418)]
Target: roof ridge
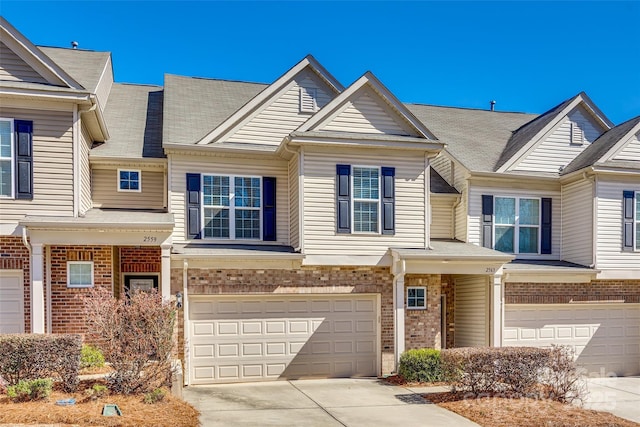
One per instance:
[(468, 108), (71, 49), (216, 79)]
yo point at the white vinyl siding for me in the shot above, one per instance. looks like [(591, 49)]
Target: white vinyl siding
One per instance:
[(52, 165), (294, 200), (557, 150), (15, 68), (631, 150), (577, 225), (106, 194), (609, 219), (282, 115), (104, 85), (442, 164), (320, 237), (367, 113), (180, 165), (442, 216), (475, 213), (85, 171), (471, 311)]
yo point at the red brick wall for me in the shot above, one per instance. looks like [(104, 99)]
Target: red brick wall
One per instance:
[(422, 327), (137, 259), (14, 255), (627, 291), (66, 312)]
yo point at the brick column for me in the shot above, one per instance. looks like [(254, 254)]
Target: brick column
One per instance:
[(37, 289)]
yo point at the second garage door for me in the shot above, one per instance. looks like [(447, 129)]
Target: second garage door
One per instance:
[(265, 337)]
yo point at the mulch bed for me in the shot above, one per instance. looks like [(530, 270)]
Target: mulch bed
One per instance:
[(170, 411)]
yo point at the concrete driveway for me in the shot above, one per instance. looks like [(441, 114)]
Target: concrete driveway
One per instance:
[(618, 395), (332, 402)]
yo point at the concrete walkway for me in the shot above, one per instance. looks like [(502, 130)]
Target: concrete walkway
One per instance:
[(618, 395), (331, 402)]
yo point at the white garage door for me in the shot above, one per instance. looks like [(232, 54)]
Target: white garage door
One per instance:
[(265, 337), (606, 337), (11, 302)]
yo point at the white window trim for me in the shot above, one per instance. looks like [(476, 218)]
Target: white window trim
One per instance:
[(354, 200), (121, 190), (636, 222), (231, 208), (12, 159), (423, 288), (576, 134), (69, 264), (313, 95), (516, 225)]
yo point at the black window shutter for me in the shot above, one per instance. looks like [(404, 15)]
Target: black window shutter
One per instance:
[(388, 200), (193, 206), (487, 221), (627, 218), (24, 159), (268, 209), (545, 246), (343, 198)]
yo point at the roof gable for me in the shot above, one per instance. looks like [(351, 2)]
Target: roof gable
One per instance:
[(38, 63), (528, 137), (14, 68), (270, 95), (367, 107)]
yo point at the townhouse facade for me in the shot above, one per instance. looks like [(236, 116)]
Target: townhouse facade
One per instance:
[(310, 229)]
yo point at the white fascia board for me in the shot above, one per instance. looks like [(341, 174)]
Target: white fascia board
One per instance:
[(45, 95), (420, 145), (98, 162)]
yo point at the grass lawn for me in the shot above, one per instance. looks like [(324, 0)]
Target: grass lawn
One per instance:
[(87, 412)]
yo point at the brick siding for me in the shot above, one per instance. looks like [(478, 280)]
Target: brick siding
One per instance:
[(14, 255), (627, 291), (422, 327)]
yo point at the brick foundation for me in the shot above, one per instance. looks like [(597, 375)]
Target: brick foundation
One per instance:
[(627, 291), (14, 255)]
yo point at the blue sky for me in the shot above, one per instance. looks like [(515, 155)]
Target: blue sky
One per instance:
[(528, 56)]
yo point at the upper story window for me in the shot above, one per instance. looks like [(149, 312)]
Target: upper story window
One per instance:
[(366, 199), (16, 159), (630, 220), (637, 220), (129, 180), (6, 157), (517, 225), (231, 207), (79, 274)]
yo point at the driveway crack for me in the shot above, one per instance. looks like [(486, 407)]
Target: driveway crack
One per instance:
[(317, 403)]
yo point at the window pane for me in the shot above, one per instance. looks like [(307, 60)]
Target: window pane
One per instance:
[(247, 192), (529, 212), (80, 274), (247, 224), (215, 190), (638, 207), (504, 239), (365, 183), (528, 242), (216, 223), (505, 211), (5, 139), (5, 177), (365, 216)]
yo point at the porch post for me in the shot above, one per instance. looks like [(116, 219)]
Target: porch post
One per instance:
[(165, 268), (37, 289), (399, 315), (497, 310)]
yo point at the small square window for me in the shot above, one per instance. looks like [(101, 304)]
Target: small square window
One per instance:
[(79, 274), (417, 298), (129, 180)]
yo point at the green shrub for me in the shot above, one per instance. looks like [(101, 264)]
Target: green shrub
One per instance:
[(154, 396), (421, 365), (91, 357), (97, 391), (26, 390)]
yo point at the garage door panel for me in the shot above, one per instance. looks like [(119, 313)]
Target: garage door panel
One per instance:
[(12, 302)]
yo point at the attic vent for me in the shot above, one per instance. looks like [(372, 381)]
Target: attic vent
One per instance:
[(308, 99), (577, 136)]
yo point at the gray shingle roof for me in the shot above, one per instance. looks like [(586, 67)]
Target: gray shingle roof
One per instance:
[(194, 106), (476, 138), (85, 66), (110, 218), (134, 117), (600, 146), (438, 185)]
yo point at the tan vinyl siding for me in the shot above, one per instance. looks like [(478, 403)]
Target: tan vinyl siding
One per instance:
[(104, 85), (442, 216), (442, 165), (461, 215), (475, 212), (320, 237), (294, 201), (180, 165), (52, 165), (14, 68), (471, 313), (106, 194), (367, 113), (556, 150), (85, 171), (609, 219), (631, 150), (577, 217), (281, 116)]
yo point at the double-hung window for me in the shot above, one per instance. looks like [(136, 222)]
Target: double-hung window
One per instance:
[(6, 158), (366, 199), (517, 225), (231, 207), (637, 220)]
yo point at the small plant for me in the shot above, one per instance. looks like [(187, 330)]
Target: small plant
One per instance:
[(422, 365), (26, 390), (91, 357), (96, 392), (154, 396), (563, 379)]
